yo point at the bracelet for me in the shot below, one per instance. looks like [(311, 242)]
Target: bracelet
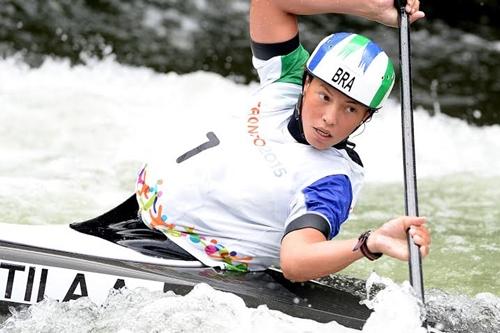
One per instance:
[(361, 245)]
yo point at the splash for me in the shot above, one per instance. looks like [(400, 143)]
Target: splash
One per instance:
[(202, 310), (406, 317)]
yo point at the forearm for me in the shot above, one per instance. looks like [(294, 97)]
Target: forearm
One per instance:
[(306, 254), (317, 259), (365, 8), (274, 21)]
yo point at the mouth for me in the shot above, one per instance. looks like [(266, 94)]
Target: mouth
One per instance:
[(322, 132)]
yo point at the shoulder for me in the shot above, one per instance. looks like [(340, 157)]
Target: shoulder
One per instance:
[(280, 62), (348, 147), (324, 166), (336, 160), (323, 205)]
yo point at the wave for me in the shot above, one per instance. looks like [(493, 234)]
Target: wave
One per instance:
[(86, 106)]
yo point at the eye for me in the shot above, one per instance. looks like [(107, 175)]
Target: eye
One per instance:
[(351, 109), (323, 96)]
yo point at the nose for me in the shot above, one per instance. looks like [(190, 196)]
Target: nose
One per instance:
[(330, 116)]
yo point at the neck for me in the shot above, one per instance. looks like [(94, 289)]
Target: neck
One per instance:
[(295, 124)]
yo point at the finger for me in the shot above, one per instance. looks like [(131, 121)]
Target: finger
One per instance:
[(424, 251), (420, 236), (422, 240), (409, 221), (421, 231), (419, 240), (425, 234), (416, 16), (412, 6), (415, 6)]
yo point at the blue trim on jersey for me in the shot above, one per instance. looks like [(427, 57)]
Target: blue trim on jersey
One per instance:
[(327, 46), (330, 196)]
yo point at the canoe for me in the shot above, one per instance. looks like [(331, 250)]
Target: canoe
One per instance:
[(114, 250)]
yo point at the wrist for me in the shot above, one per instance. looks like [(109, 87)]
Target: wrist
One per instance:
[(362, 246), (372, 244)]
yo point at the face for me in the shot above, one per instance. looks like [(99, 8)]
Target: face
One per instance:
[(329, 116)]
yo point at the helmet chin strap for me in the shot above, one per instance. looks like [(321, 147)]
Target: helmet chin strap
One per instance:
[(346, 143), (295, 123)]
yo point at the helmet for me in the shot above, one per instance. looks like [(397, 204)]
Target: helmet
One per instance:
[(354, 65)]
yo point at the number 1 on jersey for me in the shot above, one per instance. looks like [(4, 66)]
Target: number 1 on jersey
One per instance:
[(213, 141)]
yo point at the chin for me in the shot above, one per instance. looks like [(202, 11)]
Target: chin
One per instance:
[(316, 144), (321, 146)]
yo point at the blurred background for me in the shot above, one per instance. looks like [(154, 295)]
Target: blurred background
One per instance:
[(455, 50)]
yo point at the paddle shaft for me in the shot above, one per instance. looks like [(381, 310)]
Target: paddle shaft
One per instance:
[(411, 201)]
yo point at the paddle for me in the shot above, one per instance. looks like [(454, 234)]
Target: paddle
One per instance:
[(411, 202)]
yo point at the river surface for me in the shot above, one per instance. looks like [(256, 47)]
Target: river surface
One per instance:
[(73, 134)]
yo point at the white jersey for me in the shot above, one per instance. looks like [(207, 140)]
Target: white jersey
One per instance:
[(228, 194)]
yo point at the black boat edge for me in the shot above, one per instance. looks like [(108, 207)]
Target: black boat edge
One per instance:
[(309, 300)]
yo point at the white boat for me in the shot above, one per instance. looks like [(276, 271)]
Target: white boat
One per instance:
[(114, 250)]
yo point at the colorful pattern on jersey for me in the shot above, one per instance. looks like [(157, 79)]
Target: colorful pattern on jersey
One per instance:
[(147, 197)]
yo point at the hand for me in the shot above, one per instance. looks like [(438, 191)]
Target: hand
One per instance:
[(387, 14), (391, 239)]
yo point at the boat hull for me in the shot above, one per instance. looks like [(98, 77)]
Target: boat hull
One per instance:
[(65, 262)]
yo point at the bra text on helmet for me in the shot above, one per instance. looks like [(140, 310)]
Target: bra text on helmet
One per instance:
[(343, 79)]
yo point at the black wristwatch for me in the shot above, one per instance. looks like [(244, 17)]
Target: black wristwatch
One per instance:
[(361, 245)]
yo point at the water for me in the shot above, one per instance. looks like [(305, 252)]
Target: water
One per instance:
[(203, 309), (72, 140), (455, 54)]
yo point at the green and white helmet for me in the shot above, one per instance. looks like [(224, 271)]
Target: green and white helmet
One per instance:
[(356, 66)]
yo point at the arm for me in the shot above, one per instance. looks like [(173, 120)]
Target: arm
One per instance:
[(274, 21), (306, 254)]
